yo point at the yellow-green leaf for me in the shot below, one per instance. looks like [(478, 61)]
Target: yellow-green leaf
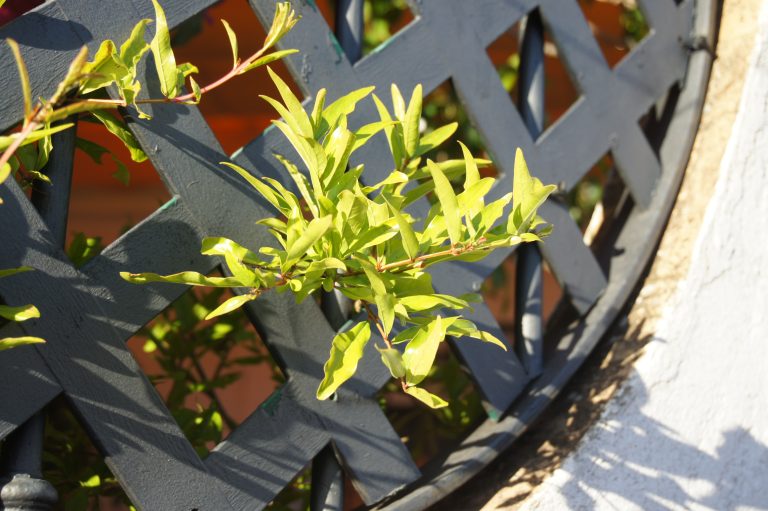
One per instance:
[(7, 343), (314, 231), (232, 42), (346, 351), (135, 46), (165, 62), (528, 193), (421, 351), (26, 90), (233, 303), (121, 131), (426, 397), (5, 171), (385, 303), (293, 105), (267, 59), (273, 197), (13, 271), (433, 139), (20, 313), (411, 122), (191, 278), (448, 201), (410, 243), (393, 360), (343, 106)]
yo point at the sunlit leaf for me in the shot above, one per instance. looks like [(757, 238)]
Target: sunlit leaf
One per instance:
[(393, 360), (528, 193), (26, 90), (14, 271), (232, 42), (314, 231), (19, 313), (410, 243), (135, 46), (426, 397), (267, 59), (7, 140), (191, 278), (420, 352), (7, 343), (292, 103), (165, 62), (231, 304), (411, 122), (433, 139), (447, 199), (346, 351)]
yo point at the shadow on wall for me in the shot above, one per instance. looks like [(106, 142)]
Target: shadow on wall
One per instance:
[(662, 470)]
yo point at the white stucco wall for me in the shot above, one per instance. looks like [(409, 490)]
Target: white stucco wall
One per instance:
[(689, 430)]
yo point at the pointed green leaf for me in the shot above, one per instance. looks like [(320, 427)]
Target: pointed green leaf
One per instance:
[(393, 360), (426, 397), (293, 105), (105, 68), (20, 313), (196, 92), (433, 301), (377, 283), (314, 231), (267, 59), (365, 133), (385, 303), (7, 343), (472, 175), (447, 199), (421, 351), (26, 90), (411, 122), (191, 278), (135, 46), (433, 139), (121, 131), (231, 304), (165, 62), (528, 193), (346, 351), (343, 106), (73, 76), (398, 103), (317, 109), (410, 243), (232, 42), (268, 193), (7, 140)]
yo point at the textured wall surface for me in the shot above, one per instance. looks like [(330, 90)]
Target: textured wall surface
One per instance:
[(689, 430)]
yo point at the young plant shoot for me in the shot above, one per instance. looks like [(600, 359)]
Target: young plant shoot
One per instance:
[(336, 233)]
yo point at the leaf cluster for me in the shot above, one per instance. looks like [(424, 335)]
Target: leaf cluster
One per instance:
[(333, 232)]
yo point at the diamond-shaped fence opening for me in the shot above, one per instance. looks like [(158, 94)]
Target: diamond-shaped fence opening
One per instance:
[(110, 193), (426, 432), (74, 466), (211, 374), (234, 111), (560, 92), (617, 26)]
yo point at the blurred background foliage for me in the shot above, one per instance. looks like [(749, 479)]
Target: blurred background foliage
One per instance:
[(202, 369)]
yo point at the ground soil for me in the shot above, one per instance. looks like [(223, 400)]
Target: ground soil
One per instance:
[(514, 475)]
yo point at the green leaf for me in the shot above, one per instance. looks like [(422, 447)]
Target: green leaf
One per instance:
[(165, 62), (385, 303), (14, 271), (377, 283), (232, 43), (7, 343), (7, 140), (121, 174), (118, 128), (343, 106), (410, 243), (426, 397), (135, 46), (20, 313), (398, 103), (267, 59), (471, 174), (317, 108), (528, 193), (314, 231), (292, 103), (226, 247), (191, 278), (74, 75), (394, 133), (471, 200), (411, 122), (92, 149), (26, 90), (105, 68), (346, 351), (233, 303), (273, 197), (421, 351), (5, 171), (393, 360), (195, 89), (427, 302), (365, 133), (283, 21), (448, 201), (433, 139)]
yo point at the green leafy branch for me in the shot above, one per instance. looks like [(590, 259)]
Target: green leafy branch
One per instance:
[(339, 233), (83, 90)]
